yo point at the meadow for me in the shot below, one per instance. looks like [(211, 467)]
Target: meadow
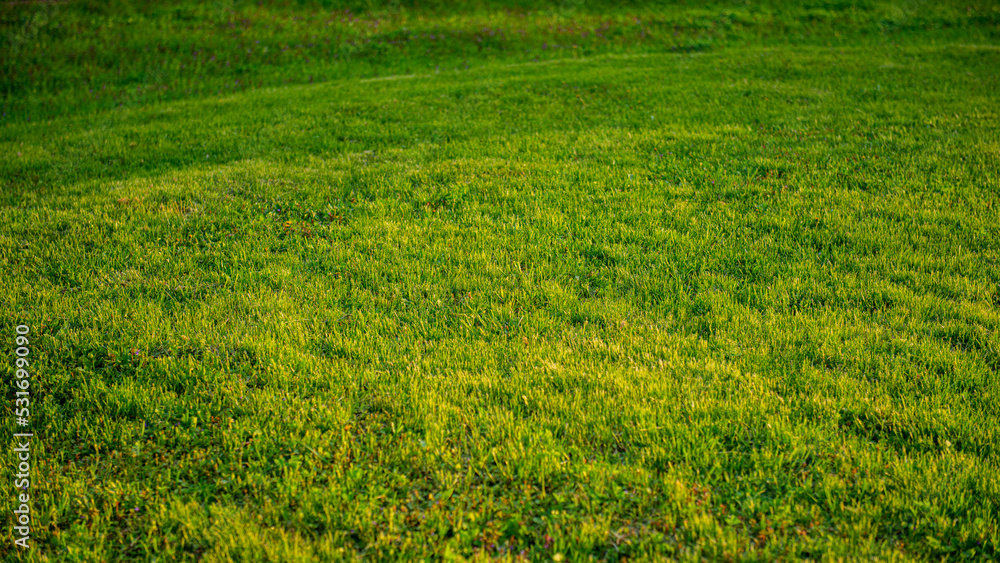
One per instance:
[(495, 281)]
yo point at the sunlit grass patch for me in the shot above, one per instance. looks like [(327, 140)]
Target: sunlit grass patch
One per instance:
[(738, 302)]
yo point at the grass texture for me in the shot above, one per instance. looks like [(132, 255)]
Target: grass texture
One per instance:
[(566, 282)]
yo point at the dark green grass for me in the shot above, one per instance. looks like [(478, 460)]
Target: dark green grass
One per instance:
[(736, 303), (63, 58)]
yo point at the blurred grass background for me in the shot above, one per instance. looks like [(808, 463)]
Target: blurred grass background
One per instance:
[(62, 58)]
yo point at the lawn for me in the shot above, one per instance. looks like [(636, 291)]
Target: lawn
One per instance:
[(568, 281)]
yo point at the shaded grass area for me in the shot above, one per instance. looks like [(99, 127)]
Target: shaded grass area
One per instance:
[(63, 58), (730, 304)]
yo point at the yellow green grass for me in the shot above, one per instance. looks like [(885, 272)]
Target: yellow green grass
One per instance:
[(737, 301)]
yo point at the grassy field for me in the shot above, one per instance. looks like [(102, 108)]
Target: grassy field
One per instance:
[(567, 282)]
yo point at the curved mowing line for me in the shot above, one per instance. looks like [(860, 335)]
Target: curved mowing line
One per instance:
[(528, 63)]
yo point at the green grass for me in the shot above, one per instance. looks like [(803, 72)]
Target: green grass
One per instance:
[(733, 294)]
